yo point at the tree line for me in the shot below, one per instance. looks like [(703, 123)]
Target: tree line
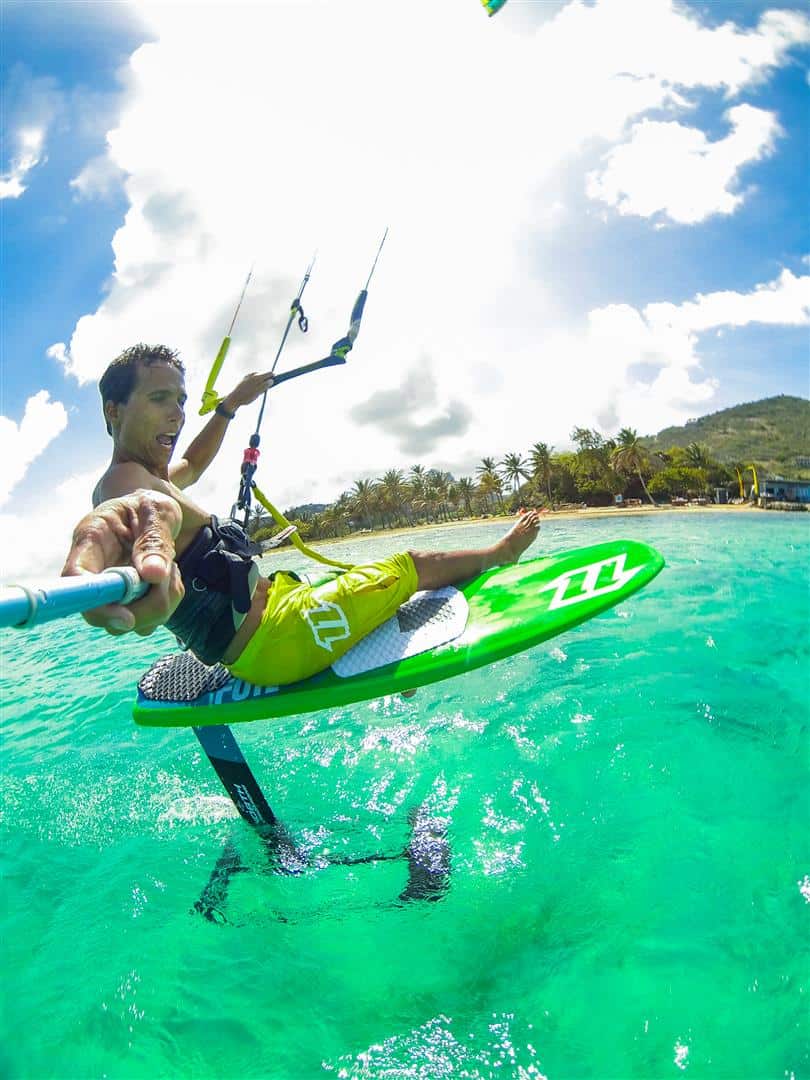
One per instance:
[(593, 474)]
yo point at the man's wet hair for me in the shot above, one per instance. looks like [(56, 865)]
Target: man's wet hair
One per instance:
[(118, 381)]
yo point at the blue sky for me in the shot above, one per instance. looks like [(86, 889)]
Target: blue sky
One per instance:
[(56, 249), (599, 219)]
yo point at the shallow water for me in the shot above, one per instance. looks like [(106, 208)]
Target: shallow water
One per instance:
[(627, 807)]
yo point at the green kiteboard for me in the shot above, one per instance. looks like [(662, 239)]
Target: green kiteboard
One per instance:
[(433, 636)]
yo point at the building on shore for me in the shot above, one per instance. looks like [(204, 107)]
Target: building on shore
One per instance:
[(777, 489)]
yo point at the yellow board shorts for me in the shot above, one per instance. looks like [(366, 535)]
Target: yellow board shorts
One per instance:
[(305, 628)]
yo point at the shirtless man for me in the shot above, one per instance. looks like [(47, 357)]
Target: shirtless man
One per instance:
[(205, 586)]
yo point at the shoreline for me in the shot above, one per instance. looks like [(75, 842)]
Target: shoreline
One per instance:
[(550, 515)]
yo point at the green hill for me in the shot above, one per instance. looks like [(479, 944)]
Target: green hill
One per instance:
[(774, 433), (306, 510)]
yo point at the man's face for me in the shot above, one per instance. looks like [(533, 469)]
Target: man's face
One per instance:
[(146, 426)]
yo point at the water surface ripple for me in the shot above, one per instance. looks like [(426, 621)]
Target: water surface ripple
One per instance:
[(627, 810)]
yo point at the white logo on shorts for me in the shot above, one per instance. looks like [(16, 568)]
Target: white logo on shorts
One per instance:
[(327, 623)]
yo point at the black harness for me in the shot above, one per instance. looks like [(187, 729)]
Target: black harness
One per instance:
[(220, 578)]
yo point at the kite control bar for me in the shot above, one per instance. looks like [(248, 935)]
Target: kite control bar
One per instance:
[(23, 607)]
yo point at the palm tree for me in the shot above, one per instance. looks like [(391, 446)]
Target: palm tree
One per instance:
[(392, 491), (319, 525), (697, 456), (363, 501), (453, 497), (587, 438), (466, 490), (340, 513), (540, 461), (327, 523), (416, 478), (437, 487), (631, 457), (445, 484), (256, 515), (489, 482), (514, 467), (430, 500)]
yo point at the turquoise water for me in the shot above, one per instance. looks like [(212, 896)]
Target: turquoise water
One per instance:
[(627, 807)]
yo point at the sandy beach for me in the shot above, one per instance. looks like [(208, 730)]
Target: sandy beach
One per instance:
[(550, 515)]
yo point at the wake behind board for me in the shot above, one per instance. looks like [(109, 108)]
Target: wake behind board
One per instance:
[(434, 636)]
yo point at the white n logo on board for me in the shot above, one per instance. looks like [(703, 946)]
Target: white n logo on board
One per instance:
[(563, 585), (328, 624)]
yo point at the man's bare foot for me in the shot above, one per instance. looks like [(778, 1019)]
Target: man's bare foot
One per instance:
[(522, 535), (435, 569)]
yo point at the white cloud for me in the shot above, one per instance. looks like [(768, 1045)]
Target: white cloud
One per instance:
[(660, 40), (668, 168), (782, 302), (58, 352), (649, 361), (29, 153), (633, 367), (325, 122), (31, 105), (22, 443), (33, 546), (99, 178)]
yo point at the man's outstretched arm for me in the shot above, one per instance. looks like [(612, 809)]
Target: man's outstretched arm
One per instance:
[(202, 450), (134, 530)]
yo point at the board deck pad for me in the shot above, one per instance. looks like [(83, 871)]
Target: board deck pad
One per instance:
[(182, 677), (509, 609), (427, 620)]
